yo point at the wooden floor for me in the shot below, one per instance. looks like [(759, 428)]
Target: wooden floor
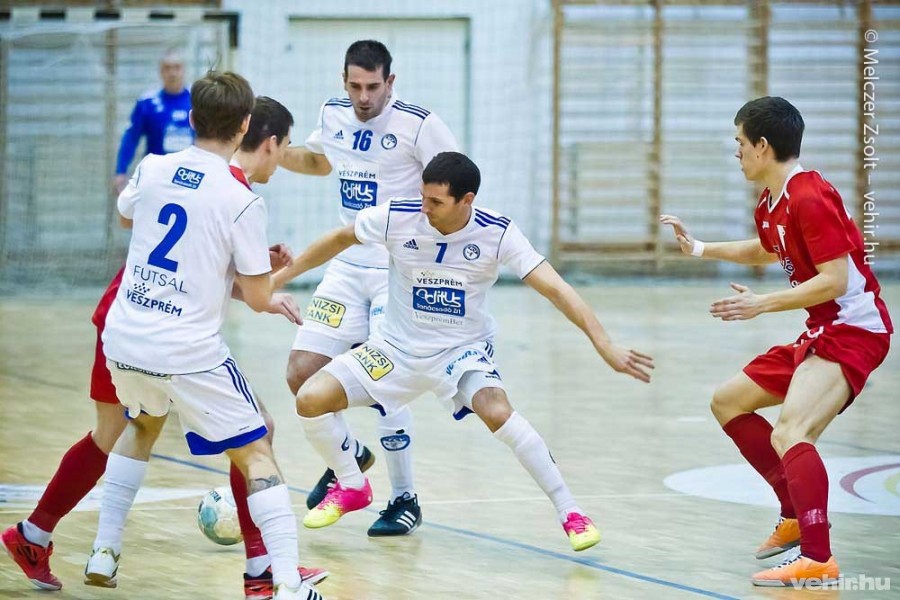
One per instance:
[(488, 531)]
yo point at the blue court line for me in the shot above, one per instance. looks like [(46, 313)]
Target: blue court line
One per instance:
[(587, 562)]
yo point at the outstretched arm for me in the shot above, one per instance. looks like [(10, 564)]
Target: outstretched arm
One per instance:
[(830, 283), (745, 252), (279, 304), (319, 252), (549, 284), (302, 160)]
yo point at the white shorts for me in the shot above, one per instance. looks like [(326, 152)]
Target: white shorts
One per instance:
[(217, 408), (345, 309), (380, 375)]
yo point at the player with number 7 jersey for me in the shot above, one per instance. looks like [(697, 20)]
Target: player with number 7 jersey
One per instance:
[(377, 145), (438, 335)]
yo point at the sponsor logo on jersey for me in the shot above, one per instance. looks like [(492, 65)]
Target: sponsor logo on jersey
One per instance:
[(187, 178), (440, 278), (179, 115), (376, 364), (411, 244), (395, 443), (326, 312), (137, 295), (781, 231), (439, 296), (339, 135), (471, 252), (389, 141), (357, 195), (441, 300), (359, 186), (459, 359), (158, 278), (788, 266), (124, 367)]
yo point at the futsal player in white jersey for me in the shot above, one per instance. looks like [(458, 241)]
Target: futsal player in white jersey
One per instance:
[(438, 336), (378, 146), (195, 229)]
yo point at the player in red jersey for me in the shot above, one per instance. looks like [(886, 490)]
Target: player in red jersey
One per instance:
[(28, 542), (801, 223)]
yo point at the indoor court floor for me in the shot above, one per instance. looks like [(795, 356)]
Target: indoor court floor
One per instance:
[(680, 513)]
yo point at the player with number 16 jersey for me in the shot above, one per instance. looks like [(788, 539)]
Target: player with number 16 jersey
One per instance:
[(377, 145)]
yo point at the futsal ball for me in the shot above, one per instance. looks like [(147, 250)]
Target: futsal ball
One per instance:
[(217, 517)]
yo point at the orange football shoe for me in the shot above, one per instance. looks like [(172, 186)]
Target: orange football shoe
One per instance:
[(785, 537), (799, 572)]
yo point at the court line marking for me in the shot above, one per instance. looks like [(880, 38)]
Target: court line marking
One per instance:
[(39, 381), (587, 562), (857, 447), (159, 505)]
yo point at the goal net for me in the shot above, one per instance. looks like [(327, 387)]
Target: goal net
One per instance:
[(66, 93)]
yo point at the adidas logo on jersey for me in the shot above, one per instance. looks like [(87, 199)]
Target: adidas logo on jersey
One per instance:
[(411, 244), (339, 135)]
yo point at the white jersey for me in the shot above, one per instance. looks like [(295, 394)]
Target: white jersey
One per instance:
[(377, 160), (194, 226), (438, 284)]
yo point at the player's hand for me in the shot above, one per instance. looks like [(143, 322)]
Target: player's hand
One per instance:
[(284, 304), (629, 362), (745, 305), (119, 183), (280, 255), (684, 238)]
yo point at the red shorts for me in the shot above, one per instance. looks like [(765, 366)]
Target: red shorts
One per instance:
[(857, 351), (102, 388)]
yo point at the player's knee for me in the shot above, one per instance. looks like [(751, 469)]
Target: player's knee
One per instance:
[(110, 425), (780, 439), (722, 404), (308, 402), (300, 369), (296, 376), (786, 435), (492, 407)]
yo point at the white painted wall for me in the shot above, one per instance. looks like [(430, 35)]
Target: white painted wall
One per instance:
[(507, 111)]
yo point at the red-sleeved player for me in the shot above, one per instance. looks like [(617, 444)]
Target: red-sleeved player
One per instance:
[(805, 227), (28, 542)]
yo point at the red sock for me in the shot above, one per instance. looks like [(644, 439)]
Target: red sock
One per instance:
[(78, 471), (253, 542), (808, 481), (753, 436)]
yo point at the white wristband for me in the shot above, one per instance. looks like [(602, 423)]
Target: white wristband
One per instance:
[(697, 249)]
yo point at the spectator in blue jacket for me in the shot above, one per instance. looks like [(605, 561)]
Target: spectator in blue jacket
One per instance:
[(161, 116)]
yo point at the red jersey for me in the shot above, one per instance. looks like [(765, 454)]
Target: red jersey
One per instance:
[(239, 175), (808, 225)]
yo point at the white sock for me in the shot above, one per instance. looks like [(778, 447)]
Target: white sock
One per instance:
[(35, 534), (257, 565), (331, 438), (121, 483), (271, 511), (532, 452), (395, 433)]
